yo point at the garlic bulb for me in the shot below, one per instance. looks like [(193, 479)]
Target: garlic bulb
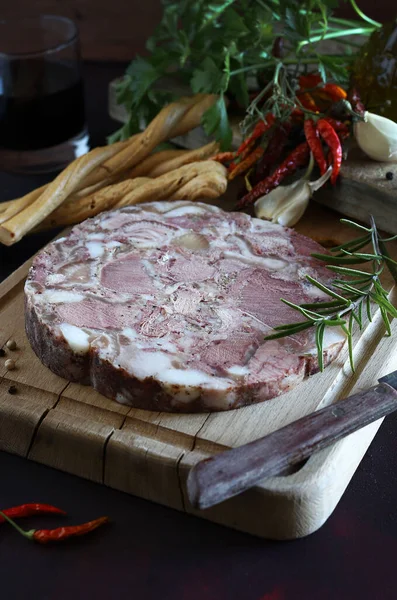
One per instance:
[(286, 204), (377, 137)]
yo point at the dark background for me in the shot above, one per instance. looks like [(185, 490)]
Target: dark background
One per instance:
[(116, 29), (149, 552)]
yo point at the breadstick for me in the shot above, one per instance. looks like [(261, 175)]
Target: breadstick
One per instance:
[(166, 185), (204, 186), (210, 184), (103, 163), (151, 162), (15, 206), (175, 119), (15, 228), (74, 211), (184, 159)]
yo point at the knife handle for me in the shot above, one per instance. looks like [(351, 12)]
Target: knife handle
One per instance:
[(224, 475)]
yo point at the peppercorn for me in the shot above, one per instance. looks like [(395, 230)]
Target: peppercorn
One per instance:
[(12, 390), (10, 364), (389, 175), (11, 345)]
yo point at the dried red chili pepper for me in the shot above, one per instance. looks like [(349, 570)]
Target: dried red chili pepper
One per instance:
[(355, 100), (297, 113), (335, 92), (245, 164), (310, 81), (297, 158), (341, 128), (27, 510), (273, 151), (313, 139), (330, 136), (336, 124), (260, 128), (223, 157), (307, 101), (44, 536)]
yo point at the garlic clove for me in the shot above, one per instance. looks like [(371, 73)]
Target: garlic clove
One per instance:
[(286, 204), (293, 209), (266, 206), (377, 137)]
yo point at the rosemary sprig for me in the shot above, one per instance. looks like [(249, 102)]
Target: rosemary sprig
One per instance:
[(352, 295)]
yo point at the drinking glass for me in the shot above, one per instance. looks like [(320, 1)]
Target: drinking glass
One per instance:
[(42, 118)]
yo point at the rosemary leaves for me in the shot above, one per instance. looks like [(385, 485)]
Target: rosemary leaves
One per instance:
[(352, 293)]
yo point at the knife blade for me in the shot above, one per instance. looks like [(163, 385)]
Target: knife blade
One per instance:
[(229, 473)]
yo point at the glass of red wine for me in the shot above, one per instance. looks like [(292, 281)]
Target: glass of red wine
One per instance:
[(42, 119)]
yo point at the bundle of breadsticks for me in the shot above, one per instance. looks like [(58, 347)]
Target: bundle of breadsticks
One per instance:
[(123, 174)]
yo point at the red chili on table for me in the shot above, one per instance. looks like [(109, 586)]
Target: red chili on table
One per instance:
[(313, 139), (330, 136), (297, 158), (27, 510), (44, 536)]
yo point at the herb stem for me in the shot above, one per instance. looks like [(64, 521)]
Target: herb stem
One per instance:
[(364, 16), (334, 35)]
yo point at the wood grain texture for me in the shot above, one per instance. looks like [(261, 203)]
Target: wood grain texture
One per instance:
[(223, 476), (73, 428)]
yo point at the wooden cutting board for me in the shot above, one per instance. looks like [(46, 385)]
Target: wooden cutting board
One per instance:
[(148, 454)]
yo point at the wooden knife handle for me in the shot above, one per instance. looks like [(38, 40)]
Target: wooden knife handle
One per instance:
[(227, 474)]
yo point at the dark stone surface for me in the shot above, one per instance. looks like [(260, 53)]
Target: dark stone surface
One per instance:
[(151, 552)]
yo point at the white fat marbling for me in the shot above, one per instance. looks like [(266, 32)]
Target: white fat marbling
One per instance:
[(185, 210), (55, 278), (60, 240), (238, 371), (261, 225), (96, 236), (77, 339), (130, 333), (113, 244), (60, 296), (193, 378), (274, 264), (147, 364), (161, 365), (95, 249)]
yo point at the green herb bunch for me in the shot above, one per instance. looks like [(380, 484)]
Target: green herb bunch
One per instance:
[(352, 295), (230, 48)]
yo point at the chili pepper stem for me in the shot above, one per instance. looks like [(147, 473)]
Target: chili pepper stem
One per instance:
[(348, 107), (27, 534)]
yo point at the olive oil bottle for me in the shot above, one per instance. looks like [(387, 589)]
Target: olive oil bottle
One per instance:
[(375, 72)]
